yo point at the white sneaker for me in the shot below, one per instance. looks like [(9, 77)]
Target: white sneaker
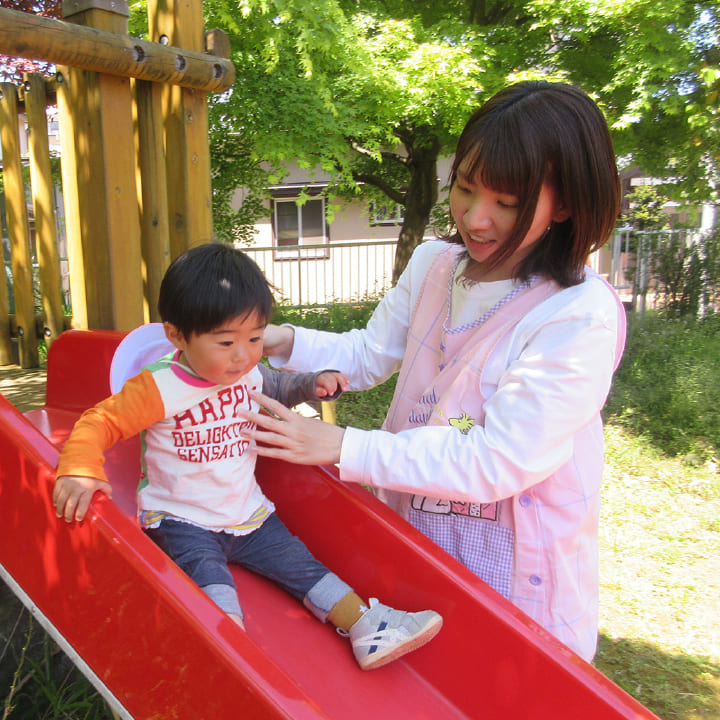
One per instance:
[(383, 634)]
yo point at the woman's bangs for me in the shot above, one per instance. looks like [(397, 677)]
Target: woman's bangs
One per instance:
[(497, 164)]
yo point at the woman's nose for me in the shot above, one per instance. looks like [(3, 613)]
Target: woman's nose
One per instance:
[(477, 215)]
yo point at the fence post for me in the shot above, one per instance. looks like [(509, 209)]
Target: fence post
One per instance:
[(42, 192), (152, 193), (18, 230)]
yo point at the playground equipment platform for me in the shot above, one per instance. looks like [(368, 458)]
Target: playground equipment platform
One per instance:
[(156, 647)]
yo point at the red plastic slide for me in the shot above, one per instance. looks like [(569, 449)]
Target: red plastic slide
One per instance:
[(156, 647)]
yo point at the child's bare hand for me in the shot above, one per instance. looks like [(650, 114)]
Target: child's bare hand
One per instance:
[(72, 495), (329, 382)]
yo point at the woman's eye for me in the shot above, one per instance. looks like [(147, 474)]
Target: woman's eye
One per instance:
[(510, 204)]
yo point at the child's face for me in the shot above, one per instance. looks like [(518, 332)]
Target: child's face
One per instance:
[(223, 355), (485, 219)]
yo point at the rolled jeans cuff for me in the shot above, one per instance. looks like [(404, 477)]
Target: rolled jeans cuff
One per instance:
[(325, 594), (225, 596)]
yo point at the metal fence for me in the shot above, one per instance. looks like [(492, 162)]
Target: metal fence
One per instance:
[(347, 272), (342, 272), (631, 261)]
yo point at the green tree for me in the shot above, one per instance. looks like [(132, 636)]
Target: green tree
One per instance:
[(374, 92), (646, 208)]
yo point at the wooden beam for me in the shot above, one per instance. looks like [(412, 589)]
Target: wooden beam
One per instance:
[(90, 48), (18, 230), (6, 353)]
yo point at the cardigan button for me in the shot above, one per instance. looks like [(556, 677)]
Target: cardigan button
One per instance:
[(535, 580), (525, 500)]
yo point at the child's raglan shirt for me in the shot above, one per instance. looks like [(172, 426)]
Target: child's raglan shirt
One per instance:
[(195, 463)]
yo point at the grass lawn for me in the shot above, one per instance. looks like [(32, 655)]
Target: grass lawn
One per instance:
[(660, 579)]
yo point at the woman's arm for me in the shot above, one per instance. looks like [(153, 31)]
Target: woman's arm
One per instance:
[(278, 343), (290, 436)]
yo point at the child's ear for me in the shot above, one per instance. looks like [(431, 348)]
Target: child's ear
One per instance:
[(174, 335)]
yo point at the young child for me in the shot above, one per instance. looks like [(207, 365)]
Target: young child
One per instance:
[(198, 498), (506, 345)]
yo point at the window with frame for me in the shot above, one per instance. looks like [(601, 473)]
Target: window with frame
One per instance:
[(382, 215), (297, 225)]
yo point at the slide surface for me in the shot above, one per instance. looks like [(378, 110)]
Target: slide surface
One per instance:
[(157, 647)]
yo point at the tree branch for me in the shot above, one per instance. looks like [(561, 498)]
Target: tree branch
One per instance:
[(384, 154), (380, 184)]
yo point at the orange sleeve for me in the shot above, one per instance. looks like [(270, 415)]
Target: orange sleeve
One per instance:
[(137, 406)]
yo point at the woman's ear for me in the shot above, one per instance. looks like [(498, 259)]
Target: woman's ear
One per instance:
[(174, 335), (561, 213)]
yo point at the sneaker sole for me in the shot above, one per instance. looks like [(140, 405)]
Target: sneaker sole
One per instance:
[(378, 659)]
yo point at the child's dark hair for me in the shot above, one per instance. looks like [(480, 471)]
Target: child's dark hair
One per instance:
[(210, 284), (537, 131)]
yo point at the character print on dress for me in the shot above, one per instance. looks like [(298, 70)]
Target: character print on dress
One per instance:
[(485, 547), (481, 511)]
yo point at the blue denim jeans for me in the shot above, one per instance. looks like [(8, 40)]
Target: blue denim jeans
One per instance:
[(270, 551)]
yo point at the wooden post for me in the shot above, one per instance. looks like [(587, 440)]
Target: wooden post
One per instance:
[(18, 230), (105, 188), (180, 23), (82, 296), (152, 192), (42, 193), (328, 412)]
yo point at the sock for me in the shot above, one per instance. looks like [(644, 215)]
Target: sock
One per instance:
[(347, 611)]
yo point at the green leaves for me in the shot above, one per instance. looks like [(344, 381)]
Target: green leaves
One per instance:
[(353, 87)]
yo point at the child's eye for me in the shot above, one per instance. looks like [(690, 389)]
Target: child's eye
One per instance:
[(256, 339), (509, 203)]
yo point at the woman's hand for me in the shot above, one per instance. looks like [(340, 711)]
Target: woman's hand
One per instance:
[(278, 341), (292, 437)]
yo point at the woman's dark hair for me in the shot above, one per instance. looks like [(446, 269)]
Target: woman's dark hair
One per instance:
[(537, 131), (210, 284)]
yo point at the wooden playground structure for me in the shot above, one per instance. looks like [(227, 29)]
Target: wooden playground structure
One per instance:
[(135, 161)]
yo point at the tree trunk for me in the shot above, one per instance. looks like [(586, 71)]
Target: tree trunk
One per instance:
[(421, 195)]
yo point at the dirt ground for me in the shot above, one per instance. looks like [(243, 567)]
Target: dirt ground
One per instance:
[(25, 389)]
